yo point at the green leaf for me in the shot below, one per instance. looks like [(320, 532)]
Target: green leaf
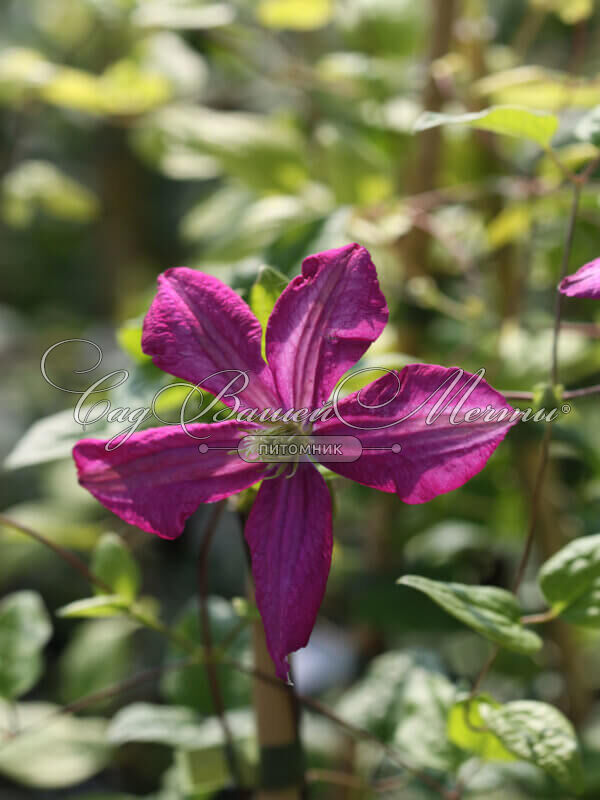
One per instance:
[(269, 284), (129, 337), (540, 734), (40, 186), (190, 687), (467, 729), (25, 628), (492, 612), (524, 730), (539, 126), (113, 563), (245, 609), (105, 605), (54, 750), (301, 15), (570, 581)]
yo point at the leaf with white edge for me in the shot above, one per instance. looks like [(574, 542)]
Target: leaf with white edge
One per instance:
[(183, 16), (538, 126), (373, 702), (105, 605), (51, 438), (540, 734), (25, 628), (53, 750), (588, 127), (170, 725), (570, 581), (98, 654), (422, 710), (113, 563), (269, 284), (492, 612), (174, 726)]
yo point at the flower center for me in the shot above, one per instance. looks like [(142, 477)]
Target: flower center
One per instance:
[(277, 444)]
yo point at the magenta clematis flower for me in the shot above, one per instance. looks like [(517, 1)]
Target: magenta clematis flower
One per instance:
[(583, 283), (321, 325)]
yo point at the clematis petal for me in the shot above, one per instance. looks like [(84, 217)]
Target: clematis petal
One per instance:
[(583, 283), (289, 535), (159, 477), (322, 324), (420, 456), (197, 326)]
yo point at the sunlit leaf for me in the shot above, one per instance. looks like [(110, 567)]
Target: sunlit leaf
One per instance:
[(122, 89), (40, 186), (570, 13), (468, 730), (113, 563), (301, 15), (512, 224), (536, 87), (525, 729), (129, 337), (106, 605), (25, 628), (22, 71), (492, 612), (539, 126), (58, 751)]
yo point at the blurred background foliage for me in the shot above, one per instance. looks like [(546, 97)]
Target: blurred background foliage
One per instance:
[(136, 135)]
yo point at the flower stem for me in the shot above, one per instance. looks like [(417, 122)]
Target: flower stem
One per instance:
[(539, 619)]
